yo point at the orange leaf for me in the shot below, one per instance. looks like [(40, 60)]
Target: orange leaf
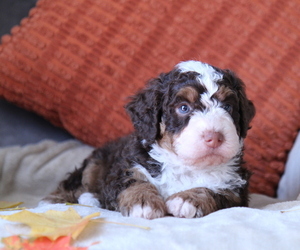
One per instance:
[(12, 242), (43, 243)]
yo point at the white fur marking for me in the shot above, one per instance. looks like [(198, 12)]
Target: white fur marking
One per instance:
[(142, 212), (144, 142), (176, 178), (136, 211), (174, 206), (187, 210), (43, 203), (180, 208), (208, 76), (88, 199)]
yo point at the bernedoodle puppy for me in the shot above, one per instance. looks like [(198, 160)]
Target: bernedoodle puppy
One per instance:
[(185, 157)]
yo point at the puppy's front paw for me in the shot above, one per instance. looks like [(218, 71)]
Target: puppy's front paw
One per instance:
[(144, 211), (143, 201), (182, 208), (192, 203)]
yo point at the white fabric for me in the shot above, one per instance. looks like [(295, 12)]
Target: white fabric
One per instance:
[(28, 173), (289, 185)]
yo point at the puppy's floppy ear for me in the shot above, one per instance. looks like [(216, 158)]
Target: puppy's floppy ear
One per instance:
[(247, 112), (246, 107), (145, 111)]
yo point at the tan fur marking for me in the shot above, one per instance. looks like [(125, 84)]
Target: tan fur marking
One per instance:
[(162, 126), (91, 176), (223, 92), (167, 141), (143, 194), (189, 93), (137, 175)]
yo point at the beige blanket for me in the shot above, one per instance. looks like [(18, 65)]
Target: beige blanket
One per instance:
[(29, 173)]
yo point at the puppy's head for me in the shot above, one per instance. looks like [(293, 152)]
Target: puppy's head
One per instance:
[(198, 112)]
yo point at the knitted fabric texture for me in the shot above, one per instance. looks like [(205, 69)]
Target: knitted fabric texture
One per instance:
[(75, 62)]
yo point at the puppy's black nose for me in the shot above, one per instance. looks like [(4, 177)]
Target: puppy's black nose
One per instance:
[(213, 139)]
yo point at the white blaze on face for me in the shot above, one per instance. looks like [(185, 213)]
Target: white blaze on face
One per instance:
[(208, 75)]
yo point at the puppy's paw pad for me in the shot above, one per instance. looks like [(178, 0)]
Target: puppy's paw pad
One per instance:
[(180, 208), (88, 199)]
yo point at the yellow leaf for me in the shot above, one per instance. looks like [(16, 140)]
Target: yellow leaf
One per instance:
[(76, 204), (9, 204), (13, 209), (52, 224)]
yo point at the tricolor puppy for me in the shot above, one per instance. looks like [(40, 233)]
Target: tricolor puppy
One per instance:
[(185, 156)]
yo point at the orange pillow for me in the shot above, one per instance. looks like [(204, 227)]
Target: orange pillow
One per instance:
[(75, 62)]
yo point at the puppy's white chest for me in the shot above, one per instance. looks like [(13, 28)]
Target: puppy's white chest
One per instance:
[(171, 180), (174, 179)]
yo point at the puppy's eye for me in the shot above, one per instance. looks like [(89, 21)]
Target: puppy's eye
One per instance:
[(228, 108), (184, 109)]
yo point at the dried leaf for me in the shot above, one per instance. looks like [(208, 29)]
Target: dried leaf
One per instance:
[(52, 224), (62, 243), (9, 204), (76, 204), (14, 209), (292, 210)]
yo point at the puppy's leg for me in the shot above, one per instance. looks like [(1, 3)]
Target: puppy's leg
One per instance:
[(198, 202), (68, 190), (81, 185), (61, 195), (141, 199)]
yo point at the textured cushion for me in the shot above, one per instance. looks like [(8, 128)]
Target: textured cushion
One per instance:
[(75, 62)]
